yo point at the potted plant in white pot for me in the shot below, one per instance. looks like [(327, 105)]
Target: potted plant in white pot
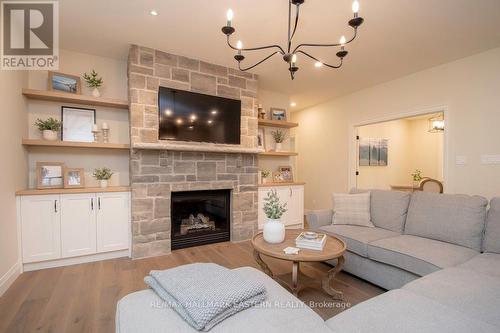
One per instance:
[(274, 230), (417, 178), (93, 81), (264, 175), (279, 136), (103, 175), (49, 128)]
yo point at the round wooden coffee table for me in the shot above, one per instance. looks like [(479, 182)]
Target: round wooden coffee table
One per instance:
[(334, 249)]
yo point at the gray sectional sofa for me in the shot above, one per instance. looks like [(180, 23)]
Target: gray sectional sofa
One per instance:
[(441, 251)]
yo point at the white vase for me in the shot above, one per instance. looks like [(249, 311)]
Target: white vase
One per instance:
[(49, 135), (274, 231), (103, 183), (264, 180), (96, 92), (277, 147)]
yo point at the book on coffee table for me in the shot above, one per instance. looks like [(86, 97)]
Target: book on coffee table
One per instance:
[(311, 243)]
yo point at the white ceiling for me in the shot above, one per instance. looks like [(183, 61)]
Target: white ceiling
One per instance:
[(398, 37)]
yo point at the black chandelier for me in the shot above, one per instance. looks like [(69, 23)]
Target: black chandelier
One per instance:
[(290, 55)]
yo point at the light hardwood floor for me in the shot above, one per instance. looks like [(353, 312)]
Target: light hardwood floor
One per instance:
[(82, 298)]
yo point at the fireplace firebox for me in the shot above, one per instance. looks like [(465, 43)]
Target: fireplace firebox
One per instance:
[(200, 217)]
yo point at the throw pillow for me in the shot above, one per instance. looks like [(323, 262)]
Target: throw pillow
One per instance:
[(352, 209)]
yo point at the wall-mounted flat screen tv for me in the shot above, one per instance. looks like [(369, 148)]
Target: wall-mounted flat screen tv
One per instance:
[(189, 116)]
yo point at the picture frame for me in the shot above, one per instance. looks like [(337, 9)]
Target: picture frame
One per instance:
[(278, 114), (74, 177), (287, 173), (261, 138), (67, 83), (278, 177), (373, 152), (77, 124), (49, 175)]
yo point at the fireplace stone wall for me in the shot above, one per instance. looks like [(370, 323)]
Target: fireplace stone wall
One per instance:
[(155, 173)]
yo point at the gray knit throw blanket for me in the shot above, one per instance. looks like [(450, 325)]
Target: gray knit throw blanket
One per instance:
[(205, 294)]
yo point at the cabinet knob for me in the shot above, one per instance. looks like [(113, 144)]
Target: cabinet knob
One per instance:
[(99, 203), (92, 203), (291, 192), (55, 206)]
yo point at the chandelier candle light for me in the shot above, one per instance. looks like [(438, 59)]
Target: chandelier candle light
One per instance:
[(290, 55)]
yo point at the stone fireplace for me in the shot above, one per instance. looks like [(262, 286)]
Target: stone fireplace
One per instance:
[(162, 170)]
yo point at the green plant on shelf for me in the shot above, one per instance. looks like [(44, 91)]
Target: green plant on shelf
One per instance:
[(102, 173), (272, 206), (279, 136), (92, 79), (49, 124)]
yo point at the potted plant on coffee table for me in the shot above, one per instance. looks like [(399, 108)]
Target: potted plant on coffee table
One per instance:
[(49, 128), (103, 175), (274, 229)]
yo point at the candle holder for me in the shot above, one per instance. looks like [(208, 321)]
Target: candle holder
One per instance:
[(96, 135), (105, 135)]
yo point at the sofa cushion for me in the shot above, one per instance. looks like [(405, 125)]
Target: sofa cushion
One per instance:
[(403, 311), (351, 209), (388, 208), (485, 263), (469, 292), (418, 255), (357, 237), (492, 233), (144, 311), (452, 218)]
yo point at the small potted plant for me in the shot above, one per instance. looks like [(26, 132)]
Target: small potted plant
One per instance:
[(279, 136), (93, 81), (103, 175), (274, 230), (264, 175), (417, 178), (49, 128)]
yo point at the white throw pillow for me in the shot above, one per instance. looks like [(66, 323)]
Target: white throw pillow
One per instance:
[(352, 209)]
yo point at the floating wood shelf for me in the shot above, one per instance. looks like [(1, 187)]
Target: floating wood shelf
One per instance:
[(46, 143), (281, 184), (74, 190), (58, 96), (278, 153), (277, 123)]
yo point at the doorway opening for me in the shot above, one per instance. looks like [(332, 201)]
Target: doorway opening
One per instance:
[(400, 154)]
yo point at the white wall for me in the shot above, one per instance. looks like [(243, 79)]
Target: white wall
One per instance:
[(13, 168), (114, 73), (467, 87)]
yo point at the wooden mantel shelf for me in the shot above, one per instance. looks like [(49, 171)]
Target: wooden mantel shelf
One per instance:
[(278, 153), (74, 190), (46, 143), (277, 123), (58, 96), (196, 146)]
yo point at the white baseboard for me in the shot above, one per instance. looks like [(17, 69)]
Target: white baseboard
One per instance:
[(9, 277), (76, 260)]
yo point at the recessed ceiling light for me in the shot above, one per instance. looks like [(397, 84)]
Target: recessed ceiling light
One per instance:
[(154, 13), (179, 121), (192, 117), (214, 111), (293, 104), (168, 112), (209, 121), (318, 64)]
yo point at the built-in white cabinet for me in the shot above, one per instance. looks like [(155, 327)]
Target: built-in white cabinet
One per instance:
[(73, 225), (78, 224), (293, 195), (41, 227), (112, 210)]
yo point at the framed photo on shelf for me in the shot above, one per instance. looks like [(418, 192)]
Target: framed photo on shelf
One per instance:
[(77, 124), (64, 82), (74, 178), (278, 177), (49, 175), (261, 139), (278, 114), (286, 172)]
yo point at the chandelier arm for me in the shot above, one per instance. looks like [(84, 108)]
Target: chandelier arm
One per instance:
[(256, 48), (327, 45), (255, 65), (324, 63)]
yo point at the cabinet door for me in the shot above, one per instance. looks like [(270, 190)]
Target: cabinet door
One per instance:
[(78, 224), (113, 221), (295, 207), (40, 227)]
